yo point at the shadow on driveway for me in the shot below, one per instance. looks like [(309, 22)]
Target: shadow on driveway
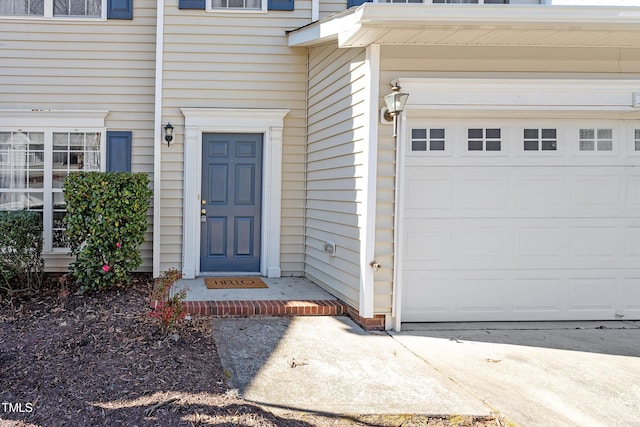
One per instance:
[(620, 338)]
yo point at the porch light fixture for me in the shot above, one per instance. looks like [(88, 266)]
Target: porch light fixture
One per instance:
[(395, 101), (168, 133)]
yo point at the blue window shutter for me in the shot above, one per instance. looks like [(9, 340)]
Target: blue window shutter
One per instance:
[(119, 151), (351, 3), (120, 9), (192, 4), (280, 5)]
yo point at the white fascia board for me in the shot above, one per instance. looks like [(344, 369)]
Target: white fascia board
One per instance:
[(347, 25)]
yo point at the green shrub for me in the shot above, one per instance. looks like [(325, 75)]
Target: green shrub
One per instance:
[(106, 221), (21, 264)]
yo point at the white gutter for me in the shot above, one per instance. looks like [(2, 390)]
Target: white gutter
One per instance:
[(388, 16), (511, 16), (157, 140)]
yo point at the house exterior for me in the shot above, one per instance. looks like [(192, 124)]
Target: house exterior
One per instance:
[(510, 191)]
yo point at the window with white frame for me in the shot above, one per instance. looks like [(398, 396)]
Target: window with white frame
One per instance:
[(237, 5), (637, 139), (33, 166), (53, 8)]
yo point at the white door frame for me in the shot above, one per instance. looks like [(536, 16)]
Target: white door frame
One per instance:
[(269, 123)]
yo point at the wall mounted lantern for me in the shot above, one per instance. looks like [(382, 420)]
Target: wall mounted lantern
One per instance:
[(395, 101), (168, 133)]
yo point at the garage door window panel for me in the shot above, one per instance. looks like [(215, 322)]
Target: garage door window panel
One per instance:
[(540, 140), (596, 140), (428, 140), (479, 139)]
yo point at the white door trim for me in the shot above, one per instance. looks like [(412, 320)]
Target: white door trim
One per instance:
[(270, 123)]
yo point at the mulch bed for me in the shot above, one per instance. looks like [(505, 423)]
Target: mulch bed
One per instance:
[(72, 359)]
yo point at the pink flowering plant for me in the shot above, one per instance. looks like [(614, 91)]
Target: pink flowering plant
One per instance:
[(169, 310), (106, 222)]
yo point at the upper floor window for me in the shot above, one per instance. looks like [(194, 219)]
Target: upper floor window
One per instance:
[(91, 8), (236, 4), (54, 8)]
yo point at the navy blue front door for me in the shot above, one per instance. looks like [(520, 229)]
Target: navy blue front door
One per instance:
[(231, 202)]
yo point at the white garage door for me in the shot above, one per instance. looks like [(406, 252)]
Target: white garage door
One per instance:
[(520, 220)]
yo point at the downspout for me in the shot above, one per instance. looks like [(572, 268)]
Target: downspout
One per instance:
[(315, 16), (306, 165), (157, 140), (397, 224)]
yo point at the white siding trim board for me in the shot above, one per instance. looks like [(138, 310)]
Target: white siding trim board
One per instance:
[(368, 208), (158, 139)]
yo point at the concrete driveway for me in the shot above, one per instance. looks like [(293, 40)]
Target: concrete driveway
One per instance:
[(534, 374), (540, 374)]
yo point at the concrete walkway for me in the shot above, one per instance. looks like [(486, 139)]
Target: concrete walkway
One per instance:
[(534, 374)]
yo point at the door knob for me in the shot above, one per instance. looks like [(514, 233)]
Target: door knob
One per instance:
[(204, 202), (203, 211)]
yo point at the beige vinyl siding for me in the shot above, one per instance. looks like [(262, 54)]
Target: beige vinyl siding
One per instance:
[(235, 60), (472, 62), (59, 64), (335, 162), (330, 7)]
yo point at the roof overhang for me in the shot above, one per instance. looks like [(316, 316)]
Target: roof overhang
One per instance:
[(475, 25)]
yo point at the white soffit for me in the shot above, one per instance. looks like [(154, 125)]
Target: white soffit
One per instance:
[(475, 25)]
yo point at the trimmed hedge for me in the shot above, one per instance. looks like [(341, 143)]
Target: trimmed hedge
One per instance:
[(106, 222), (21, 263)]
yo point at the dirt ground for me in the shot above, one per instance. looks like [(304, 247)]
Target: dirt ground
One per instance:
[(72, 359)]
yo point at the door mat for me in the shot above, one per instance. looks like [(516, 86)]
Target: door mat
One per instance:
[(234, 282)]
